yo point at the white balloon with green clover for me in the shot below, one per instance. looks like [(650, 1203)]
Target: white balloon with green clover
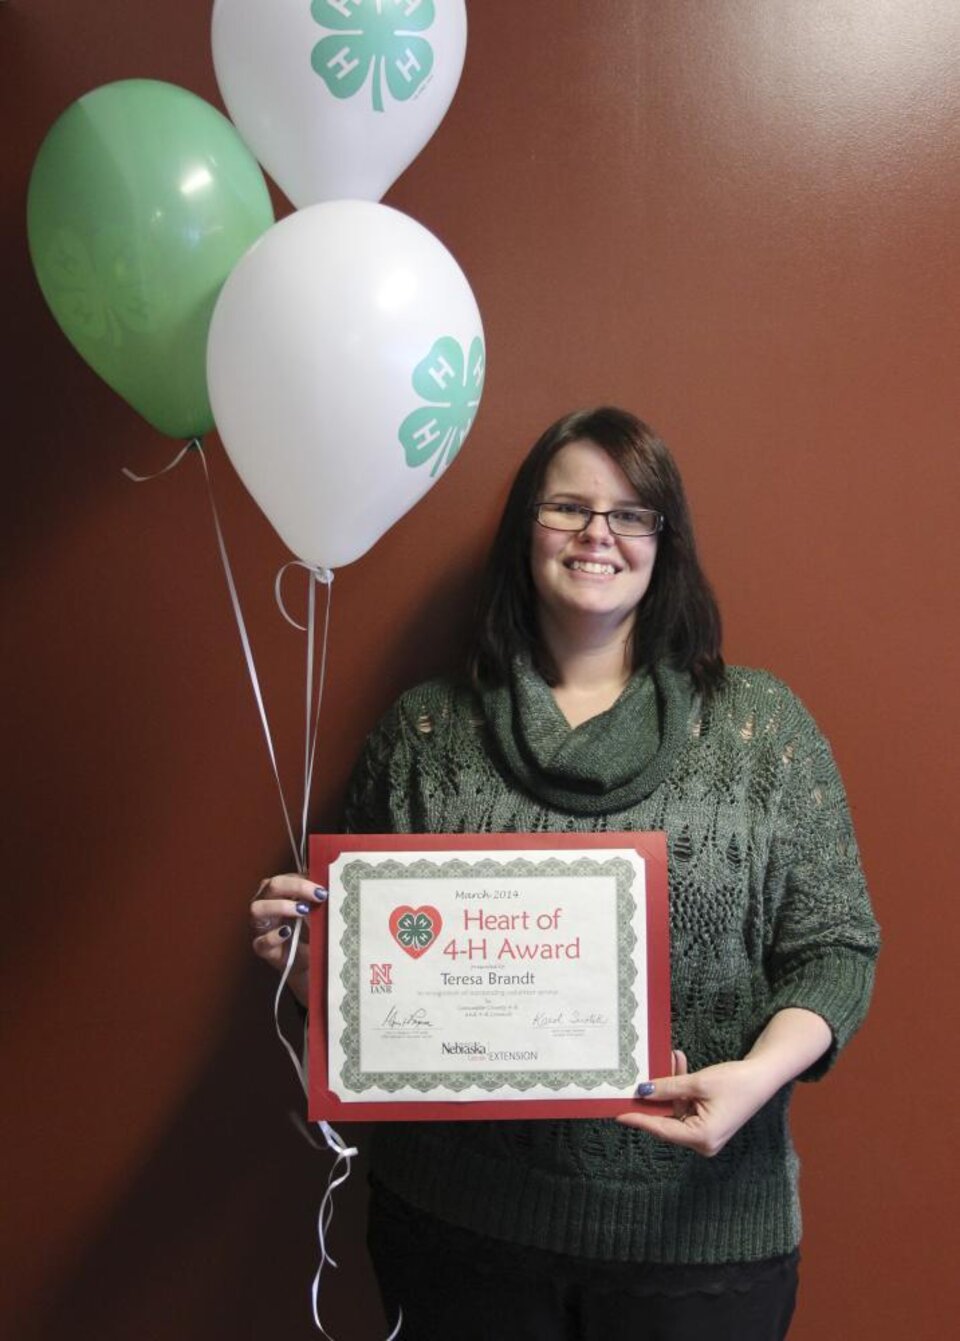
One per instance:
[(345, 366), (336, 97)]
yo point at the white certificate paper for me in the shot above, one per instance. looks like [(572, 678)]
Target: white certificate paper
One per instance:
[(473, 975)]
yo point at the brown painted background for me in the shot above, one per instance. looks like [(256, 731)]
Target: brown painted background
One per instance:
[(738, 217)]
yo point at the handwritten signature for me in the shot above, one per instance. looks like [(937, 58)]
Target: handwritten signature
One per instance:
[(416, 1019), (547, 1020)]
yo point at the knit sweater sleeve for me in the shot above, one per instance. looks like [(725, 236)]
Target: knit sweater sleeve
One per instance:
[(368, 804), (822, 939), (408, 770)]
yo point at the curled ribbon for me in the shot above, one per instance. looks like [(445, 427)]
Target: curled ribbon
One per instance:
[(343, 1154)]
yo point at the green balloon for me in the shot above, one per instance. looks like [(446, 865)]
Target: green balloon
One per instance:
[(142, 199)]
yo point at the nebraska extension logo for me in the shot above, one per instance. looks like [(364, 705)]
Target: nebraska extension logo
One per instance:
[(381, 978)]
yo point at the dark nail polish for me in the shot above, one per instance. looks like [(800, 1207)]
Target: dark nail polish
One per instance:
[(304, 908), (285, 932), (320, 894), (645, 1089)]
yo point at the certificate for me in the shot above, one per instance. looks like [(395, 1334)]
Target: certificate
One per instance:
[(474, 975)]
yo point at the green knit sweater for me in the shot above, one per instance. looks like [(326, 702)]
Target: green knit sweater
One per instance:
[(767, 910)]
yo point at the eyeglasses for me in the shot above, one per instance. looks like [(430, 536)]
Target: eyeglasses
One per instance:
[(577, 517)]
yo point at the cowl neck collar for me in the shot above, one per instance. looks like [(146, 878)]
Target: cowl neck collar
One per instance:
[(608, 763)]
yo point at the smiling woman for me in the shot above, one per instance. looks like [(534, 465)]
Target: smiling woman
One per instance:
[(590, 581), (597, 698), (543, 595)]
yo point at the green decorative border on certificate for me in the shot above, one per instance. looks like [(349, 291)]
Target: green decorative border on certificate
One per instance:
[(353, 872)]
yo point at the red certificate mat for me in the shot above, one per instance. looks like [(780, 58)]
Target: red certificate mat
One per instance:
[(411, 925)]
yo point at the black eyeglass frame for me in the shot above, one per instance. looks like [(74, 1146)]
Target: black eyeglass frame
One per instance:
[(588, 515)]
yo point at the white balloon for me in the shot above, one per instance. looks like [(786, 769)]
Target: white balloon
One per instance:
[(345, 366), (336, 97)]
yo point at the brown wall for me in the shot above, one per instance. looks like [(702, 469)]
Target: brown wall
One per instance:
[(740, 219)]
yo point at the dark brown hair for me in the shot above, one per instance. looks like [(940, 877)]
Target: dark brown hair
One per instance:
[(678, 621)]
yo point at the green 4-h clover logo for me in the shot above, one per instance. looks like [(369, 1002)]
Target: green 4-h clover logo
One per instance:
[(101, 294), (373, 34), (415, 929), (453, 386)]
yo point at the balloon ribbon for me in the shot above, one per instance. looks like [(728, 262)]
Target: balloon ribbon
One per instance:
[(315, 679)]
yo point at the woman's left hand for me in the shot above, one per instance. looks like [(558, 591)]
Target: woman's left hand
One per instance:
[(711, 1105)]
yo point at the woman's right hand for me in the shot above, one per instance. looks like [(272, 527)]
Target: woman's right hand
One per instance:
[(280, 901)]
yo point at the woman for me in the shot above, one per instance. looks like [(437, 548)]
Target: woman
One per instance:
[(598, 699)]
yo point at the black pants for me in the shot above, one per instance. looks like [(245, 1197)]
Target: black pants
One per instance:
[(457, 1286)]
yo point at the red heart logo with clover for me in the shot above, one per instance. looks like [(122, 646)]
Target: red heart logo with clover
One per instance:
[(415, 929)]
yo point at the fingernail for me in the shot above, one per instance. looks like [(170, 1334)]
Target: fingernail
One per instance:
[(285, 932), (320, 894), (645, 1089), (304, 908)]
